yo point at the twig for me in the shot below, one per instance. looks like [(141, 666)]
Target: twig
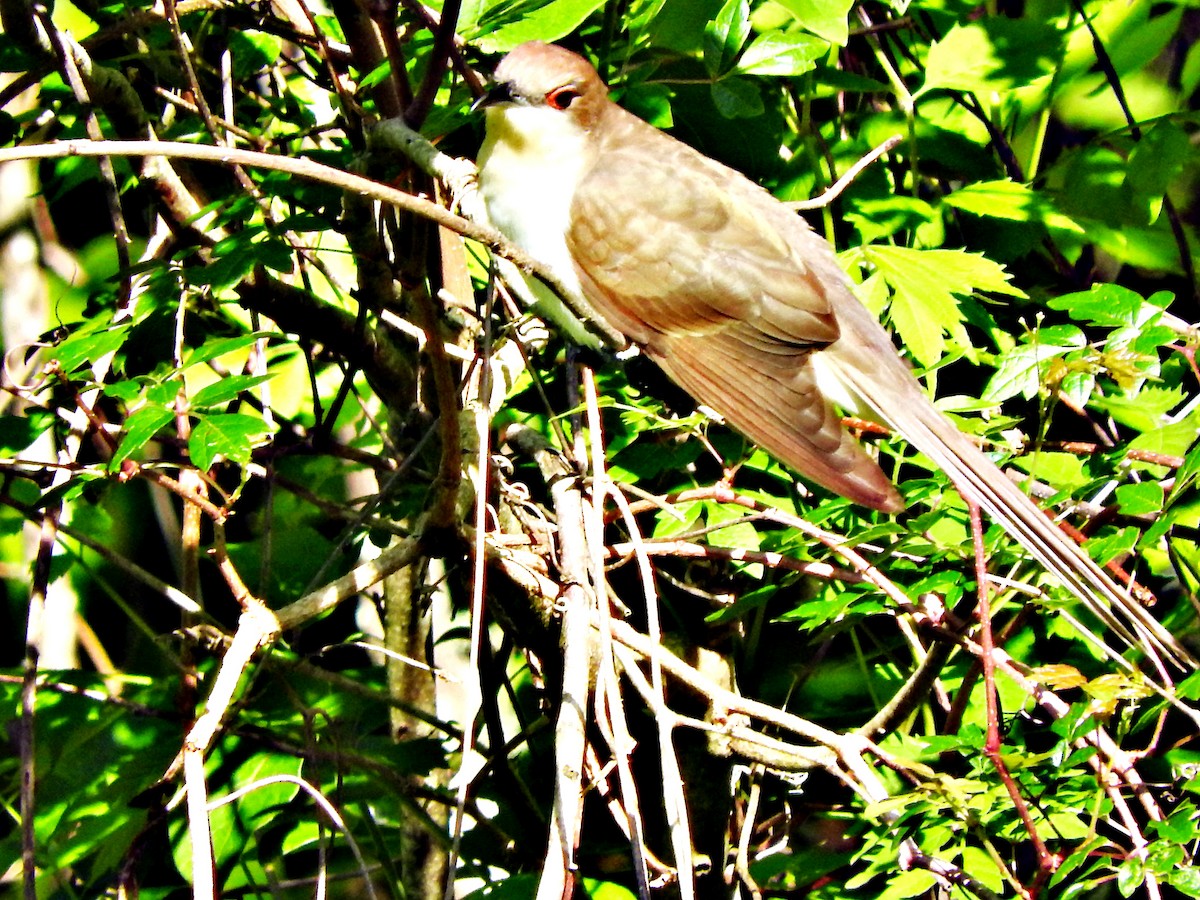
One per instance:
[(610, 708), (576, 604), (691, 550), (1047, 862), (481, 418), (834, 190)]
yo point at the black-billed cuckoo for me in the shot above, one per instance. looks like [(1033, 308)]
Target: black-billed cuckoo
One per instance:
[(738, 301)]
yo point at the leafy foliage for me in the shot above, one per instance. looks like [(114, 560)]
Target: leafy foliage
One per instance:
[(228, 387)]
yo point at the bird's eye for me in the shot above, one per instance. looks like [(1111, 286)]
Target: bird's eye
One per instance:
[(562, 98)]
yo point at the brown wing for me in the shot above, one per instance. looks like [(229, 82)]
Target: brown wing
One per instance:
[(698, 274)]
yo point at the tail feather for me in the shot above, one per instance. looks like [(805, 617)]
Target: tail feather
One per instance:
[(916, 419)]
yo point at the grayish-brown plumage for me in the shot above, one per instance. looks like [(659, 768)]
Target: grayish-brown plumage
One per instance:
[(739, 302)]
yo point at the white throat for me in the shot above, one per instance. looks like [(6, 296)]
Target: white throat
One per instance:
[(529, 166)]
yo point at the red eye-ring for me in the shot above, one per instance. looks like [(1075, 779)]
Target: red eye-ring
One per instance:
[(561, 98)]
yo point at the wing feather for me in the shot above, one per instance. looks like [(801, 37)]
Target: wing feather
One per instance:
[(715, 292)]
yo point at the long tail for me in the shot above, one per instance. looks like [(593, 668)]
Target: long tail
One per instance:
[(891, 393)]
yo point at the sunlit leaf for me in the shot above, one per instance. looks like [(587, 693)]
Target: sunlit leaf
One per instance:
[(231, 435), (825, 18), (995, 53), (725, 36)]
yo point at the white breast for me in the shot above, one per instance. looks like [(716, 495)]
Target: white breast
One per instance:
[(529, 166)]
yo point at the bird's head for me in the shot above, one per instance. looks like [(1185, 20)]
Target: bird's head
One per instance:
[(550, 82)]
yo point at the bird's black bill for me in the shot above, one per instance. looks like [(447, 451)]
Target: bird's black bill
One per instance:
[(499, 93)]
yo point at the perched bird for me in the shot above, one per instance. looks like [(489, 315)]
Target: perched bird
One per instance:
[(737, 300)]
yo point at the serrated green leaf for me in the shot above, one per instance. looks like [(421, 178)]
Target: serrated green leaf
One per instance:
[(140, 429), (1175, 439), (782, 53), (1064, 470), (1113, 546), (923, 284), (1021, 370), (231, 435), (211, 349), (1107, 304), (824, 18), (994, 54), (1140, 499), (1144, 411), (1013, 202), (89, 347), (226, 389), (881, 217)]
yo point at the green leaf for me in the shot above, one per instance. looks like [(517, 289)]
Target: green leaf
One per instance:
[(606, 890), (1140, 499), (1145, 411), (738, 534), (1112, 546), (1022, 369), (1185, 879), (275, 254), (825, 18), (378, 74), (1189, 77), (215, 347), (725, 36), (737, 98), (912, 883), (1176, 439), (782, 53), (140, 429), (226, 389), (265, 799), (1064, 470), (1107, 304), (923, 284), (994, 54), (231, 435), (877, 218), (1014, 202), (89, 346), (547, 22), (18, 432), (1131, 875), (227, 270), (252, 51), (1155, 162), (687, 519), (983, 868)]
